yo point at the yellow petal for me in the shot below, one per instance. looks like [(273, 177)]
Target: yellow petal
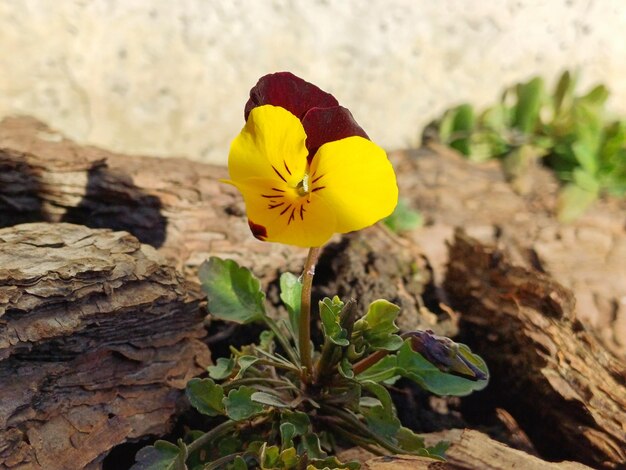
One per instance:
[(286, 217), (355, 178), (271, 145)]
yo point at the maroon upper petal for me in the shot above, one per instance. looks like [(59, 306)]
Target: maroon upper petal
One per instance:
[(324, 125), (286, 90)]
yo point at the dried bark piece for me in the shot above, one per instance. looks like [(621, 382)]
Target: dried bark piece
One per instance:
[(469, 450), (98, 337), (566, 391)]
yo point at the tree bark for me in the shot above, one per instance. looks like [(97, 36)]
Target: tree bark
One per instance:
[(98, 337), (567, 392)]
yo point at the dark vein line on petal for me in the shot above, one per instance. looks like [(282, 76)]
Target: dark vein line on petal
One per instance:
[(291, 216), (317, 189), (286, 167), (270, 196), (286, 209), (279, 190), (274, 206), (301, 212), (278, 173), (317, 179)]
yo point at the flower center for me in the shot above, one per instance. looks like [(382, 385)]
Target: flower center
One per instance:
[(303, 186)]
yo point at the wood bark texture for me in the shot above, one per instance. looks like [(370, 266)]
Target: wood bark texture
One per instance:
[(567, 391), (469, 450), (98, 337)]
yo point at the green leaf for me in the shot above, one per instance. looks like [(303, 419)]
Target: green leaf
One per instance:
[(381, 394), (287, 433), (311, 444), (239, 464), (573, 201), (222, 369), (268, 399), (269, 457), (205, 396), (409, 441), (333, 463), (239, 404), (330, 311), (378, 326), (414, 366), (233, 293), (381, 421), (162, 455), (403, 218), (266, 341), (291, 295), (385, 371), (289, 458), (462, 127), (345, 368), (245, 362), (529, 97), (299, 420)]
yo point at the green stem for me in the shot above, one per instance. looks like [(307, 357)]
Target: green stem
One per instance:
[(258, 381), (304, 333), (208, 436), (369, 361), (221, 461), (291, 352)]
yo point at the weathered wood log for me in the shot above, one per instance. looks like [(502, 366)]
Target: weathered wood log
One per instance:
[(469, 450), (586, 256), (175, 205), (181, 208), (98, 337), (567, 392)]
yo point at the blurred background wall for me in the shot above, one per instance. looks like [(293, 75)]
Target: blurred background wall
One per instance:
[(166, 77)]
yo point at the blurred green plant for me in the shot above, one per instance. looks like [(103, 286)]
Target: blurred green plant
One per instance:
[(403, 218), (570, 132), (270, 412)]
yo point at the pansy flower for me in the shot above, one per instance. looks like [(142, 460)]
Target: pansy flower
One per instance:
[(305, 168)]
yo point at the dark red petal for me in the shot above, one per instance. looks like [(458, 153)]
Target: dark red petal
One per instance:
[(286, 90), (324, 125), (259, 231)]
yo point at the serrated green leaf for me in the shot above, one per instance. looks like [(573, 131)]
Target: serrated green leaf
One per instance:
[(233, 293), (378, 326), (162, 455), (205, 396), (268, 399), (239, 405), (291, 295), (222, 368), (414, 366), (330, 311), (438, 450), (573, 201)]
